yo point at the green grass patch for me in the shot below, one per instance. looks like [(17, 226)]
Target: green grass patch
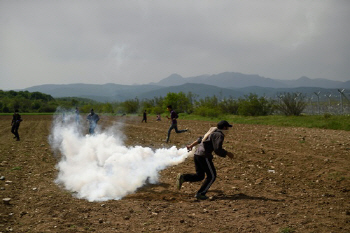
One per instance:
[(339, 122), (336, 176), (16, 168), (327, 121), (287, 230)]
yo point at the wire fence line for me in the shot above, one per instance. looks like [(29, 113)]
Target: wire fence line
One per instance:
[(320, 103)]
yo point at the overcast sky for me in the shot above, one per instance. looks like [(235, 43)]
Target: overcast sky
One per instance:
[(137, 42)]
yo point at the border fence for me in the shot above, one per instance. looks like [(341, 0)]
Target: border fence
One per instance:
[(336, 103)]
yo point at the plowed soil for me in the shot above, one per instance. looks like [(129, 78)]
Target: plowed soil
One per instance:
[(281, 180)]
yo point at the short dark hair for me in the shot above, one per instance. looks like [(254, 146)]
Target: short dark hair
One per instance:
[(169, 106)]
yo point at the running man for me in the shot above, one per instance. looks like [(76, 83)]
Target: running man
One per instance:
[(203, 158), (173, 117)]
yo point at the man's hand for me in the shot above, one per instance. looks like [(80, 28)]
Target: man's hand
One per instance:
[(230, 155), (189, 148)]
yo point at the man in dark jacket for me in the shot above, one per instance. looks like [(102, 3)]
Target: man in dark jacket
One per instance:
[(93, 119), (173, 117), (144, 119), (203, 158), (16, 120)]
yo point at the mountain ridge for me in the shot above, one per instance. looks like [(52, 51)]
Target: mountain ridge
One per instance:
[(227, 84)]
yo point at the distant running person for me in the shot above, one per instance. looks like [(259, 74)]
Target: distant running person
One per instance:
[(16, 120), (173, 117), (77, 115)]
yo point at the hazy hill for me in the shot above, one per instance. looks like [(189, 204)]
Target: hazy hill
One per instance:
[(319, 82), (105, 92), (238, 80), (228, 84), (225, 80), (200, 90)]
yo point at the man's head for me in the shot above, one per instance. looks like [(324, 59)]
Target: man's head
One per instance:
[(223, 125), (169, 107), (92, 111), (16, 111)]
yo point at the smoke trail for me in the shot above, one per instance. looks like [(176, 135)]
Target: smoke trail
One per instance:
[(100, 167)]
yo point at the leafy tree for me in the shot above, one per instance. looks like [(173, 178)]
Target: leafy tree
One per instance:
[(131, 106), (229, 106), (36, 105), (207, 112), (74, 102), (5, 109), (209, 106), (254, 106), (178, 101), (107, 108)]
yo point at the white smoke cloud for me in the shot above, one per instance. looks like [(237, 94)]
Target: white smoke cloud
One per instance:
[(100, 167)]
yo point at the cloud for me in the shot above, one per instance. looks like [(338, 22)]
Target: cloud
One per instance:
[(140, 42)]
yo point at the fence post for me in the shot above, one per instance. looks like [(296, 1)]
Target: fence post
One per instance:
[(341, 100), (318, 101)]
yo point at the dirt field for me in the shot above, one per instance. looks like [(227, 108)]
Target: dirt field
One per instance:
[(281, 180)]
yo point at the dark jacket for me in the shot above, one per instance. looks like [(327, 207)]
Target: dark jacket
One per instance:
[(93, 118), (212, 143), (173, 116), (16, 119)]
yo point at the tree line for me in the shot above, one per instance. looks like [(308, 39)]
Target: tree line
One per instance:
[(249, 105)]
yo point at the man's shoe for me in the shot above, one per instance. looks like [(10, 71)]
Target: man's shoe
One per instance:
[(179, 181), (201, 197)]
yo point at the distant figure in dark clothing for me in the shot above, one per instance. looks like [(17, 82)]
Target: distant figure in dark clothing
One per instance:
[(77, 116), (16, 120), (158, 117), (63, 117), (144, 119), (93, 119), (173, 117)]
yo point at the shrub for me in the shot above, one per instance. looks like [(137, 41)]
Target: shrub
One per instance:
[(254, 106), (207, 112), (291, 104)]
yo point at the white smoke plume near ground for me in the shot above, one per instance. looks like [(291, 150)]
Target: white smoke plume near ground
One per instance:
[(100, 167)]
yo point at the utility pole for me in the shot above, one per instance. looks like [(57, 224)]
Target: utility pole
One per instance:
[(312, 107), (329, 101)]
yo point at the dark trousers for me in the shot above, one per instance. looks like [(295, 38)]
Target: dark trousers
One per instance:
[(204, 166), (14, 130), (92, 129), (174, 126)]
